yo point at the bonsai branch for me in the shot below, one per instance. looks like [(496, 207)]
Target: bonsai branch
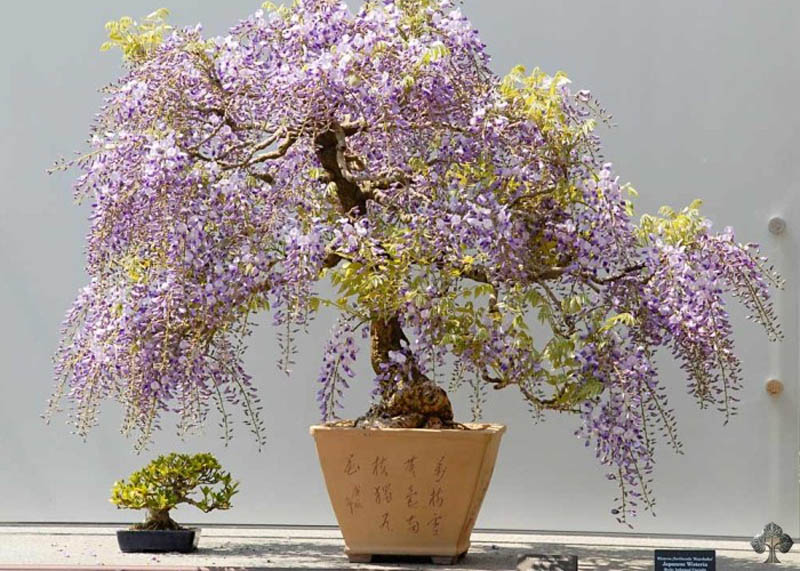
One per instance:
[(622, 274), (288, 141), (331, 260), (331, 147), (547, 404), (479, 274)]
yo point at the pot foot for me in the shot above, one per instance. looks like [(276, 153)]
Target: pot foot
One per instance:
[(447, 559), (434, 559)]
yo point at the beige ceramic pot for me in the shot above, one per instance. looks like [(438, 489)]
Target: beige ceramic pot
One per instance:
[(404, 491)]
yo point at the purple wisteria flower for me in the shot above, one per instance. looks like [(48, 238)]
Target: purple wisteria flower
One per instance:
[(448, 207)]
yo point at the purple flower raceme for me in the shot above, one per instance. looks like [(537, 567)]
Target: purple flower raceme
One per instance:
[(378, 150), (338, 359)]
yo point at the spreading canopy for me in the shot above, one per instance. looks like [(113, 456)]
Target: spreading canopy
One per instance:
[(379, 150), (171, 480)]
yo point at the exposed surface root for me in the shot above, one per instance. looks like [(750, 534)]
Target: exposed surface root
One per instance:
[(413, 405), (158, 521)]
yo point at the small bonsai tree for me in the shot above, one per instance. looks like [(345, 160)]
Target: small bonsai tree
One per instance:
[(171, 480), (447, 207)]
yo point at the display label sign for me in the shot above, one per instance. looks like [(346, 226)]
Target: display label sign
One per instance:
[(685, 560)]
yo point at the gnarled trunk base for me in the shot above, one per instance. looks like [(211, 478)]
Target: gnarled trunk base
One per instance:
[(413, 402), (158, 520)]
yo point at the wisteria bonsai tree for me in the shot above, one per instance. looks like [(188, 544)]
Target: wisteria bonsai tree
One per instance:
[(447, 206)]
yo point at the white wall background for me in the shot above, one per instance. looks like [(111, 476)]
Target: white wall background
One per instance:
[(705, 97)]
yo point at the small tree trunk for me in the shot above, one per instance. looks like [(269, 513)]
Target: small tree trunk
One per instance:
[(159, 519)]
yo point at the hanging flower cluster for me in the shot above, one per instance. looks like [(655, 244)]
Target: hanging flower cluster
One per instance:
[(378, 150)]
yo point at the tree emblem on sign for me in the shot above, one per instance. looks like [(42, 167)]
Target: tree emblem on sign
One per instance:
[(772, 538)]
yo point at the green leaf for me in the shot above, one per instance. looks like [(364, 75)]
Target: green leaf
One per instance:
[(619, 319)]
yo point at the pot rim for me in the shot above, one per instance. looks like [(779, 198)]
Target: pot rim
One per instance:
[(184, 530), (472, 427)]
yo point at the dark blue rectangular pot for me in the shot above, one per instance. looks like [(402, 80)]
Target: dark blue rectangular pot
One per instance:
[(158, 541)]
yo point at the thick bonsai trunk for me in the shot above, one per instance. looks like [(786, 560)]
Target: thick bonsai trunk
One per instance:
[(331, 154), (409, 399), (158, 520), (385, 335)]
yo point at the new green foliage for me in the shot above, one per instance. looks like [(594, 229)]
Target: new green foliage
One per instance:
[(171, 480)]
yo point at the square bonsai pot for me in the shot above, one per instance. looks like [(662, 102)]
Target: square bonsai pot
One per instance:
[(407, 491)]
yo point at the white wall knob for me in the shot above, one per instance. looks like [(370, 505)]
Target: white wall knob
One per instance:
[(777, 225)]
